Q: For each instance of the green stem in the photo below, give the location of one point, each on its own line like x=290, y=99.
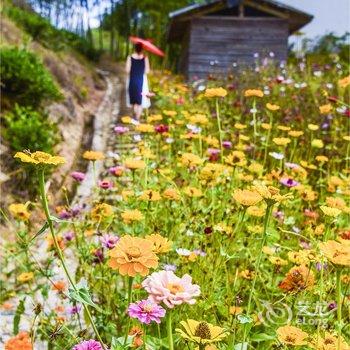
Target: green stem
x=169, y=330
x=257, y=266
x=219, y=128
x=130, y=280
x=59, y=251
x=339, y=307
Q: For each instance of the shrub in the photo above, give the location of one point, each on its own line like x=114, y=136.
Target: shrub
x=28, y=129
x=24, y=79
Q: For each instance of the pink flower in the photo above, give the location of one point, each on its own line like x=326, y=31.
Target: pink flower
x=166, y=287
x=78, y=176
x=161, y=128
x=289, y=182
x=227, y=144
x=146, y=311
x=116, y=170
x=88, y=345
x=121, y=130
x=109, y=241
x=105, y=184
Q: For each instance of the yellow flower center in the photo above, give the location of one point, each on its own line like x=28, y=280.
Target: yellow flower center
x=203, y=331
x=133, y=252
x=148, y=308
x=175, y=288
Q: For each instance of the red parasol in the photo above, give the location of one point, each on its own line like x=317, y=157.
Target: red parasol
x=147, y=45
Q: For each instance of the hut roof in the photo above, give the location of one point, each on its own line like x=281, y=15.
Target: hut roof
x=180, y=19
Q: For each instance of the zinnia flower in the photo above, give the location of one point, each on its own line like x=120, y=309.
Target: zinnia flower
x=201, y=332
x=88, y=345
x=121, y=130
x=161, y=244
x=19, y=211
x=109, y=241
x=215, y=92
x=290, y=335
x=297, y=279
x=93, y=155
x=166, y=287
x=78, y=176
x=329, y=211
x=246, y=197
x=20, y=341
x=39, y=158
x=131, y=215
x=289, y=182
x=146, y=311
x=336, y=252
x=25, y=276
x=132, y=256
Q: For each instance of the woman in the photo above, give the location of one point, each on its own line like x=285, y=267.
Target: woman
x=137, y=68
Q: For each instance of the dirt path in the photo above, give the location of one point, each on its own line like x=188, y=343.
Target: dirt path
x=104, y=140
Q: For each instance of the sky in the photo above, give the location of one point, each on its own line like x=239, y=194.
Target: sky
x=329, y=15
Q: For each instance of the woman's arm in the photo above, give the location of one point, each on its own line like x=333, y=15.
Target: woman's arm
x=147, y=66
x=128, y=65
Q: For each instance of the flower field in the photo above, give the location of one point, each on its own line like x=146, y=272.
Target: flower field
x=225, y=226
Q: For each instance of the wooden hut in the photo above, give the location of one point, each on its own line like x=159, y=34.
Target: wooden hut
x=218, y=34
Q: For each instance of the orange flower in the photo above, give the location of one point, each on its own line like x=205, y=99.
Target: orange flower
x=132, y=256
x=298, y=278
x=290, y=335
x=60, y=286
x=20, y=341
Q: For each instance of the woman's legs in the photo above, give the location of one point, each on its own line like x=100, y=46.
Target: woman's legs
x=137, y=109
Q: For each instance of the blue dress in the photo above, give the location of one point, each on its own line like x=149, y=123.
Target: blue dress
x=137, y=72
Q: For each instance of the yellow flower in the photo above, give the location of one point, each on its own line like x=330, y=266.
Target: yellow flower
x=322, y=159
x=131, y=215
x=253, y=92
x=150, y=195
x=337, y=253
x=126, y=119
x=344, y=82
x=127, y=193
x=223, y=228
x=39, y=157
x=275, y=260
x=191, y=160
x=101, y=211
x=201, y=332
x=290, y=335
x=246, y=197
x=236, y=158
x=19, y=211
x=240, y=126
x=169, y=113
x=329, y=342
x=256, y=211
x=154, y=117
x=132, y=256
x=295, y=133
x=161, y=244
x=144, y=128
x=266, y=126
x=271, y=194
x=93, y=155
x=272, y=107
x=236, y=310
x=256, y=168
x=329, y=211
x=171, y=193
x=336, y=202
x=313, y=127
x=134, y=164
x=193, y=192
x=25, y=277
x=281, y=141
x=283, y=127
x=199, y=119
x=317, y=143
x=215, y=92
x=325, y=108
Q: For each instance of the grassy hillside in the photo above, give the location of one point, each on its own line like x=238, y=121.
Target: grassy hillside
x=49, y=92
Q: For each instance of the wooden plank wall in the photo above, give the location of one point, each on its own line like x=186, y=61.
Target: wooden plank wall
x=223, y=40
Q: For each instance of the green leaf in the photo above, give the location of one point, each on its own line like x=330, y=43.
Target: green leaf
x=82, y=296
x=19, y=312
x=259, y=337
x=42, y=230
x=118, y=343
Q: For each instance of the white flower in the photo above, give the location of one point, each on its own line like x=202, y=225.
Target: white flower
x=276, y=155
